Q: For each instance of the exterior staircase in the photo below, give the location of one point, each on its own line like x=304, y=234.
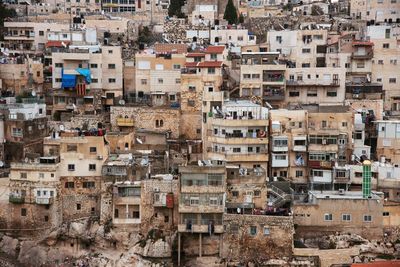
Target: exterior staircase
x=280, y=196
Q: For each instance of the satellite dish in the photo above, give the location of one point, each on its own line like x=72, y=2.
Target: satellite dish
x=122, y=102
x=26, y=160
x=139, y=141
x=238, y=210
x=33, y=93
x=61, y=127
x=1, y=164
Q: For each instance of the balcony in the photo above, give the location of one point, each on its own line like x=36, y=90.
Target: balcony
x=362, y=55
x=201, y=208
x=239, y=157
x=321, y=176
x=280, y=160
x=44, y=200
x=279, y=144
x=274, y=95
x=320, y=164
x=30, y=36
x=243, y=122
x=16, y=199
x=321, y=83
x=273, y=78
x=341, y=176
x=200, y=228
x=300, y=144
x=125, y=122
x=232, y=139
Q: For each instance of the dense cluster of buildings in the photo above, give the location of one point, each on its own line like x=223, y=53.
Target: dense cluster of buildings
x=227, y=139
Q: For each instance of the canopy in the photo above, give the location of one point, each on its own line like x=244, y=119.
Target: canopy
x=68, y=80
x=85, y=73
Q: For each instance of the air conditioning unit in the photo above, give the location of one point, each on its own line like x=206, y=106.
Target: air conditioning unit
x=156, y=189
x=99, y=157
x=324, y=141
x=341, y=191
x=356, y=96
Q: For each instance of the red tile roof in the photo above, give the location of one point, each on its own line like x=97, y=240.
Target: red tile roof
x=195, y=55
x=170, y=48
x=363, y=43
x=215, y=49
x=191, y=64
x=210, y=64
x=56, y=43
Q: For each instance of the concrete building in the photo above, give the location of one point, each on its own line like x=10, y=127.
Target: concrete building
x=231, y=35
x=375, y=11
x=126, y=203
x=388, y=141
x=263, y=75
x=158, y=77
x=237, y=133
x=201, y=204
x=28, y=37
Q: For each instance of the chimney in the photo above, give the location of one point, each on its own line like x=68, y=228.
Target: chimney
x=366, y=175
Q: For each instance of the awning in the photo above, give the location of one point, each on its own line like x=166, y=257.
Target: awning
x=88, y=96
x=68, y=80
x=85, y=73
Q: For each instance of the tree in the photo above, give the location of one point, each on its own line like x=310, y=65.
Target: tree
x=175, y=8
x=241, y=18
x=230, y=13
x=5, y=13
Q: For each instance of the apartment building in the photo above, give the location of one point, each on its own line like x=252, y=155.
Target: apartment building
x=289, y=145
x=158, y=76
x=231, y=35
x=263, y=74
x=80, y=170
x=201, y=204
x=237, y=133
x=126, y=203
x=28, y=37
x=34, y=193
x=25, y=125
x=385, y=64
x=388, y=141
x=330, y=131
x=330, y=212
x=204, y=15
x=85, y=77
x=375, y=11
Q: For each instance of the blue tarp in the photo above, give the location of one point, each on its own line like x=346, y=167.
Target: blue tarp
x=85, y=73
x=68, y=80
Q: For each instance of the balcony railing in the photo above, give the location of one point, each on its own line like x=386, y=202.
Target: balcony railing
x=16, y=199
x=188, y=71
x=44, y=200
x=358, y=55
x=328, y=83
x=125, y=122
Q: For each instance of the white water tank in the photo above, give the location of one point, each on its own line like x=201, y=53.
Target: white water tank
x=1, y=129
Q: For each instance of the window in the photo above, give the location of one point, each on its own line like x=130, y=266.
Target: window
x=41, y=33
x=266, y=231
x=317, y=173
x=385, y=213
x=344, y=123
x=213, y=56
x=347, y=65
x=280, y=157
x=299, y=173
x=23, y=175
x=255, y=76
x=194, y=201
x=160, y=80
x=312, y=93
x=93, y=66
x=92, y=167
x=89, y=185
x=385, y=45
x=111, y=80
x=93, y=149
x=177, y=81
x=236, y=150
x=41, y=175
x=328, y=217
x=159, y=123
x=380, y=62
x=72, y=148
x=192, y=88
x=346, y=217
x=392, y=80
x=305, y=65
x=69, y=185
x=95, y=80
x=213, y=201
x=294, y=93
x=324, y=124
x=71, y=167
x=331, y=93
x=78, y=206
x=257, y=193
x=360, y=65
x=17, y=132
x=58, y=80
x=306, y=50
x=211, y=70
x=367, y=218
x=23, y=212
x=177, y=67
x=253, y=230
x=110, y=51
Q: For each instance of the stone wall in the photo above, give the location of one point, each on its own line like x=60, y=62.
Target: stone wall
x=273, y=237
x=145, y=117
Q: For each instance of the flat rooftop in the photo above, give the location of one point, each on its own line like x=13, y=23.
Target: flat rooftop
x=337, y=195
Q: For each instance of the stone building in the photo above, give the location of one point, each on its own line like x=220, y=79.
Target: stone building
x=35, y=195
x=25, y=126
x=81, y=161
x=201, y=207
x=256, y=238
x=329, y=212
